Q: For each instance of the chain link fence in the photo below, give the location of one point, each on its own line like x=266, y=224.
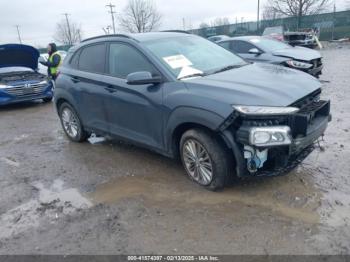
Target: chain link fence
x=331, y=26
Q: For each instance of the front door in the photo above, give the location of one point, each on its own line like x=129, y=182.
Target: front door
x=134, y=111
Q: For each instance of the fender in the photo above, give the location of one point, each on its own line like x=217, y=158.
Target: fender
x=189, y=115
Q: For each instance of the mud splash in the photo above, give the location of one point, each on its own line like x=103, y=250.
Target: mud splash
x=274, y=194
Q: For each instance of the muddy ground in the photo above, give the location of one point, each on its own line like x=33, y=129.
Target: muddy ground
x=59, y=197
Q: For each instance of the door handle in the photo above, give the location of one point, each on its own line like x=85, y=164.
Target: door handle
x=75, y=79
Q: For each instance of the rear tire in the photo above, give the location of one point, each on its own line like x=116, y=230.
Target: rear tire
x=71, y=123
x=205, y=159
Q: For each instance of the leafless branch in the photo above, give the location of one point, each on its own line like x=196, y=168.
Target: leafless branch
x=140, y=16
x=68, y=34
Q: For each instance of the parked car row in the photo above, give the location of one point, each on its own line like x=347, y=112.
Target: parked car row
x=260, y=49
x=185, y=97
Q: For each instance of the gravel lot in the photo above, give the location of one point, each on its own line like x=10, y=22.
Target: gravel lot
x=59, y=197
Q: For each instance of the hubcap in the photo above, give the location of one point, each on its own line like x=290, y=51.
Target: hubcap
x=70, y=123
x=197, y=162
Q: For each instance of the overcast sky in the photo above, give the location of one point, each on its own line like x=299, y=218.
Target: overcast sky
x=38, y=18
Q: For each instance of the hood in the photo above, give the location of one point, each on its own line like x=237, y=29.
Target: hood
x=298, y=53
x=256, y=84
x=13, y=55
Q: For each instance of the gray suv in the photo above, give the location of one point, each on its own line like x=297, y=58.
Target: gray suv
x=183, y=96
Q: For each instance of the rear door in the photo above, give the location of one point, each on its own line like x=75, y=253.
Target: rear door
x=134, y=112
x=91, y=93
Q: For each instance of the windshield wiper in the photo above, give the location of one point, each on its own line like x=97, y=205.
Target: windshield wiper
x=192, y=75
x=226, y=68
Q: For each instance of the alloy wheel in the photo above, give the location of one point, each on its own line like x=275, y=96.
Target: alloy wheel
x=197, y=162
x=70, y=122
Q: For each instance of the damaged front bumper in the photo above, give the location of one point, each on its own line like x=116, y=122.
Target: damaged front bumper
x=306, y=127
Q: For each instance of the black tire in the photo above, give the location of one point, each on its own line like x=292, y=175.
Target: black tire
x=47, y=99
x=80, y=135
x=220, y=158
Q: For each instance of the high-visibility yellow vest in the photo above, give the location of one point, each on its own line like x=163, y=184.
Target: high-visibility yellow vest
x=54, y=70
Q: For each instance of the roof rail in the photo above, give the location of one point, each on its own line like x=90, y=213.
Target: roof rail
x=106, y=36
x=176, y=31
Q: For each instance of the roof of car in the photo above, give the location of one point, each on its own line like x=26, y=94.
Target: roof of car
x=139, y=37
x=245, y=38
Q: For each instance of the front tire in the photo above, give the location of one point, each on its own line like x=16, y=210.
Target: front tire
x=71, y=123
x=205, y=159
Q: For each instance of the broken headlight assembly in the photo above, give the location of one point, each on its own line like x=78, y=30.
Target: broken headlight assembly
x=299, y=65
x=265, y=110
x=270, y=136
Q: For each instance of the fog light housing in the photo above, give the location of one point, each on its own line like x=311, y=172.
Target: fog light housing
x=270, y=136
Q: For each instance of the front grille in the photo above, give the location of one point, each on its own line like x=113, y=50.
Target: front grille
x=20, y=91
x=303, y=122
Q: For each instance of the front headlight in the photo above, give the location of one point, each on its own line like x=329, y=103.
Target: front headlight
x=270, y=136
x=3, y=86
x=297, y=64
x=266, y=110
x=44, y=82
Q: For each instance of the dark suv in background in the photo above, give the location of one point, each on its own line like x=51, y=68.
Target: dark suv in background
x=182, y=95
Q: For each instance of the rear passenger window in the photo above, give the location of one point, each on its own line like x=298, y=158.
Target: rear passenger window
x=241, y=47
x=93, y=59
x=124, y=60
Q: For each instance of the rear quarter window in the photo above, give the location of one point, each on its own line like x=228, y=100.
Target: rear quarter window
x=74, y=62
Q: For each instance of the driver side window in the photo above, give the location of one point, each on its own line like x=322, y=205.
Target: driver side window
x=124, y=60
x=242, y=47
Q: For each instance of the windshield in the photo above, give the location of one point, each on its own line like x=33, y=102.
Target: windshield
x=192, y=55
x=269, y=44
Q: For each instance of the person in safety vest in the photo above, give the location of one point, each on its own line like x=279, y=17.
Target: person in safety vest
x=54, y=61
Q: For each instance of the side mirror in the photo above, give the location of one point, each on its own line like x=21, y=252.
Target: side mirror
x=255, y=51
x=142, y=78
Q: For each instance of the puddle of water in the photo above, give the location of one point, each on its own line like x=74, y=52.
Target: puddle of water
x=180, y=190
x=51, y=203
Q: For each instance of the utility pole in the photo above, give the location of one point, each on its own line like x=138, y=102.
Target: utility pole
x=334, y=11
x=184, y=24
x=69, y=31
x=112, y=12
x=258, y=20
x=19, y=34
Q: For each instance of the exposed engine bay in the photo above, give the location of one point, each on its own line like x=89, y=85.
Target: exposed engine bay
x=9, y=77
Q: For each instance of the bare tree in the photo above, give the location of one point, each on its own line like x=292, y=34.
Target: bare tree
x=298, y=8
x=140, y=16
x=67, y=32
x=269, y=13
